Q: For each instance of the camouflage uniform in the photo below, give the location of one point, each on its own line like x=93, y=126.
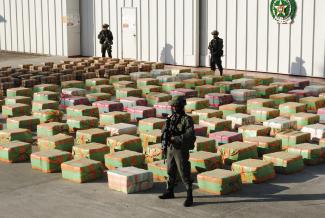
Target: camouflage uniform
x=106, y=40
x=216, y=50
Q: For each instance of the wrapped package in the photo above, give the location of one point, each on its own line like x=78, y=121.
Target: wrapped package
x=224, y=137
x=282, y=98
x=211, y=79
x=254, y=130
x=128, y=92
x=130, y=180
x=82, y=110
x=43, y=105
x=74, y=92
x=51, y=129
x=246, y=83
x=265, y=144
x=177, y=71
x=114, y=118
x=207, y=113
x=289, y=108
x=299, y=93
x=202, y=161
x=240, y=119
x=300, y=84
x=17, y=100
x=60, y=141
x=156, y=97
x=150, y=124
x=283, y=87
x=146, y=82
x=196, y=104
x=23, y=122
x=313, y=103
x=102, y=89
x=193, y=83
x=82, y=170
x=216, y=124
x=206, y=89
x=93, y=151
x=201, y=73
x=150, y=137
x=96, y=82
x=91, y=135
x=150, y=89
x=218, y=99
x=46, y=96
x=312, y=154
x=200, y=130
x=169, y=86
x=254, y=171
x=258, y=103
x=20, y=91
x=317, y=131
x=264, y=91
x=16, y=110
x=185, y=76
x=315, y=89
x=160, y=72
x=280, y=124
x=82, y=122
x=138, y=75
x=132, y=102
x=124, y=158
x=163, y=108
x=219, y=181
x=242, y=95
x=124, y=142
x=291, y=138
x=236, y=151
x=264, y=113
x=46, y=87
x=108, y=106
x=123, y=84
x=166, y=79
x=188, y=93
x=285, y=162
x=227, y=86
x=116, y=78
x=49, y=161
x=8, y=135
x=195, y=118
x=229, y=109
x=141, y=112
x=204, y=144
x=73, y=101
x=230, y=76
x=304, y=119
x=159, y=170
x=15, y=151
x=121, y=128
x=93, y=97
x=321, y=114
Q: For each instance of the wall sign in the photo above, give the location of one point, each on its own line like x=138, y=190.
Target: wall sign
x=283, y=11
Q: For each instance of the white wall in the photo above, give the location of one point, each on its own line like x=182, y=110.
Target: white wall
x=255, y=42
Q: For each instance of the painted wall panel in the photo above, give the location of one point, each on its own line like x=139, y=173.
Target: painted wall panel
x=161, y=30
x=52, y=27
x=319, y=40
x=59, y=27
x=20, y=26
x=241, y=38
x=33, y=29
x=26, y=25
x=3, y=43
x=262, y=35
x=14, y=26
x=251, y=27
x=153, y=29
x=231, y=34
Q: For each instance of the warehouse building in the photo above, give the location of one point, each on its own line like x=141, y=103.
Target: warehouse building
x=174, y=31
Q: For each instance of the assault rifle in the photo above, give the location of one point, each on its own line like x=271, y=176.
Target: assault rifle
x=165, y=137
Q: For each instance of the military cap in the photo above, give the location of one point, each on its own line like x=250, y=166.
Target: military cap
x=105, y=25
x=178, y=101
x=215, y=32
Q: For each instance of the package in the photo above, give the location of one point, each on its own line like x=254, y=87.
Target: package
x=60, y=141
x=15, y=151
x=91, y=135
x=162, y=109
x=317, y=131
x=321, y=114
x=227, y=86
x=23, y=122
x=132, y=102
x=239, y=119
x=51, y=129
x=313, y=103
x=46, y=96
x=166, y=78
x=108, y=106
x=42, y=105
x=93, y=151
x=193, y=83
x=283, y=87
x=207, y=113
x=291, y=138
x=20, y=91
x=93, y=97
x=114, y=118
x=82, y=122
x=202, y=161
x=285, y=162
x=146, y=90
x=229, y=109
x=156, y=66
x=312, y=154
x=254, y=130
x=224, y=137
x=124, y=142
x=121, y=128
x=46, y=87
x=200, y=130
x=116, y=78
x=124, y=158
x=265, y=144
x=242, y=95
x=188, y=93
x=17, y=99
x=289, y=108
x=156, y=97
x=8, y=135
x=315, y=89
x=195, y=118
x=177, y=71
x=82, y=170
x=82, y=110
x=102, y=89
x=211, y=79
x=282, y=98
x=219, y=181
x=300, y=83
x=300, y=93
x=304, y=119
x=169, y=86
x=73, y=101
x=196, y=104
x=264, y=91
x=128, y=92
x=160, y=72
x=254, y=171
x=230, y=76
x=123, y=84
x=206, y=89
x=218, y=99
x=141, y=112
x=263, y=114
x=15, y=110
x=259, y=103
x=236, y=151
x=153, y=153
x=185, y=76
x=150, y=124
x=216, y=124
x=204, y=144
x=246, y=83
x=138, y=75
x=201, y=73
x=146, y=82
x=96, y=82
x=150, y=137
x=74, y=92
x=72, y=84
x=159, y=170
x=49, y=161
x=280, y=124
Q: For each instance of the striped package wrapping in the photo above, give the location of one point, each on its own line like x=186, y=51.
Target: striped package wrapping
x=195, y=118
x=108, y=106
x=264, y=91
x=102, y=89
x=283, y=87
x=15, y=151
x=153, y=153
x=124, y=158
x=259, y=103
x=242, y=95
x=123, y=84
x=304, y=119
x=315, y=89
x=312, y=154
x=16, y=110
x=17, y=99
x=116, y=78
x=224, y=137
x=216, y=124
x=23, y=122
x=20, y=91
x=159, y=170
x=46, y=87
x=128, y=92
x=207, y=113
x=130, y=180
x=289, y=108
x=200, y=130
x=254, y=171
x=240, y=119
x=160, y=72
x=196, y=104
x=147, y=82
x=202, y=161
x=282, y=98
x=236, y=151
x=150, y=137
x=82, y=110
x=132, y=102
x=121, y=128
x=202, y=73
x=114, y=118
x=313, y=103
x=82, y=170
x=84, y=122
x=280, y=124
x=227, y=86
x=51, y=129
x=156, y=97
x=265, y=144
x=124, y=142
x=138, y=75
x=42, y=105
x=74, y=92
x=163, y=108
x=317, y=131
x=245, y=83
x=285, y=162
x=193, y=83
x=93, y=151
x=291, y=138
x=166, y=78
x=230, y=76
x=300, y=84
x=73, y=101
x=212, y=79
x=206, y=89
x=188, y=93
x=49, y=161
x=185, y=76
x=264, y=113
x=219, y=182
x=96, y=82
x=91, y=135
x=229, y=109
x=169, y=86
x=218, y=99
x=321, y=114
x=177, y=71
x=8, y=135
x=60, y=141
x=72, y=84
x=93, y=97
x=299, y=93
x=46, y=96
x=150, y=124
x=141, y=112
x=204, y=144
x=254, y=131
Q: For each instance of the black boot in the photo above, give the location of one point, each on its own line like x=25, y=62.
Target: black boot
x=189, y=199
x=168, y=194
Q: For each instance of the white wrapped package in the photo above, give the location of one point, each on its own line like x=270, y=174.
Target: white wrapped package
x=138, y=75
x=246, y=83
x=317, y=131
x=121, y=128
x=280, y=124
x=239, y=119
x=184, y=76
x=160, y=72
x=166, y=78
x=74, y=92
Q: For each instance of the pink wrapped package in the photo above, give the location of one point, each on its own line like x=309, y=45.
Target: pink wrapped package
x=300, y=93
x=108, y=106
x=217, y=99
x=321, y=113
x=224, y=137
x=188, y=93
x=132, y=102
x=162, y=108
x=141, y=112
x=200, y=130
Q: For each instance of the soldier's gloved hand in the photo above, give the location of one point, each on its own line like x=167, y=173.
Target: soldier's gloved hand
x=172, y=139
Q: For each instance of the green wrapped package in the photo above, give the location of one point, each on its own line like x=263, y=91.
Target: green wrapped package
x=114, y=117
x=9, y=135
x=282, y=98
x=149, y=124
x=195, y=118
x=254, y=171
x=49, y=161
x=229, y=109
x=193, y=83
x=264, y=80
x=265, y=144
x=204, y=144
x=207, y=113
x=259, y=103
x=93, y=97
x=84, y=122
x=51, y=129
x=313, y=103
x=280, y=124
x=20, y=91
x=312, y=154
x=157, y=97
x=285, y=162
x=82, y=170
x=264, y=113
x=202, y=161
x=227, y=86
x=123, y=84
x=72, y=84
x=128, y=92
x=93, y=151
x=159, y=170
x=291, y=138
x=150, y=137
x=289, y=108
x=116, y=78
x=283, y=87
x=46, y=87
x=82, y=110
x=304, y=119
x=146, y=82
x=237, y=151
x=216, y=124
x=46, y=96
x=42, y=105
x=23, y=122
x=254, y=130
x=60, y=141
x=16, y=110
x=18, y=99
x=91, y=135
x=48, y=115
x=96, y=82
x=219, y=181
x=153, y=153
x=230, y=76
x=124, y=158
x=150, y=89
x=102, y=89
x=170, y=86
x=264, y=91
x=212, y=79
x=196, y=104
x=124, y=142
x=15, y=151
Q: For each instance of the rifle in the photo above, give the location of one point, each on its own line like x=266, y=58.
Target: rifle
x=165, y=138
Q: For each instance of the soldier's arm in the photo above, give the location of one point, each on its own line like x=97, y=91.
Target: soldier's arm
x=100, y=35
x=188, y=135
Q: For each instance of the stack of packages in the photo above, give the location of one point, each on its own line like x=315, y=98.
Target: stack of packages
x=17, y=99
x=216, y=124
x=264, y=144
x=254, y=131
x=163, y=108
x=169, y=86
x=254, y=171
x=206, y=113
x=160, y=72
x=114, y=118
x=200, y=130
x=15, y=110
x=219, y=181
x=82, y=170
x=93, y=151
x=204, y=144
x=130, y=180
x=60, y=141
x=129, y=102
x=124, y=158
x=124, y=142
x=15, y=151
x=49, y=161
x=230, y=76
x=264, y=113
x=246, y=83
x=291, y=138
x=72, y=101
x=280, y=124
x=138, y=75
x=85, y=122
x=321, y=113
x=285, y=162
x=226, y=86
x=218, y=99
x=282, y=98
x=24, y=122
x=242, y=95
x=121, y=128
x=193, y=83
x=72, y=84
x=313, y=103
x=290, y=108
x=202, y=161
x=229, y=109
x=259, y=103
x=312, y=154
x=128, y=92
x=159, y=170
x=74, y=92
x=224, y=137
x=150, y=124
x=108, y=106
x=317, y=131
x=155, y=98
x=150, y=137
x=51, y=129
x=196, y=104
x=150, y=89
x=116, y=78
x=82, y=110
x=315, y=89
x=188, y=93
x=153, y=153
x=46, y=96
x=42, y=105
x=141, y=112
x=264, y=91
x=239, y=119
x=93, y=97
x=9, y=135
x=304, y=119
x=283, y=87
x=102, y=89
x=91, y=135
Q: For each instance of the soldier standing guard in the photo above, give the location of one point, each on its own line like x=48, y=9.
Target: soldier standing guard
x=216, y=51
x=181, y=141
x=106, y=40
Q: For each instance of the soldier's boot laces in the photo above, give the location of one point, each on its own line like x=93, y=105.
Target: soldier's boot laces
x=189, y=199
x=168, y=194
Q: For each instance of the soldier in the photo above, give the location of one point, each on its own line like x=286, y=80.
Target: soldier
x=106, y=40
x=182, y=138
x=216, y=51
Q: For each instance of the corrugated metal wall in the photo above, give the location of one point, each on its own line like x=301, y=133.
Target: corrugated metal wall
x=255, y=42
x=171, y=24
